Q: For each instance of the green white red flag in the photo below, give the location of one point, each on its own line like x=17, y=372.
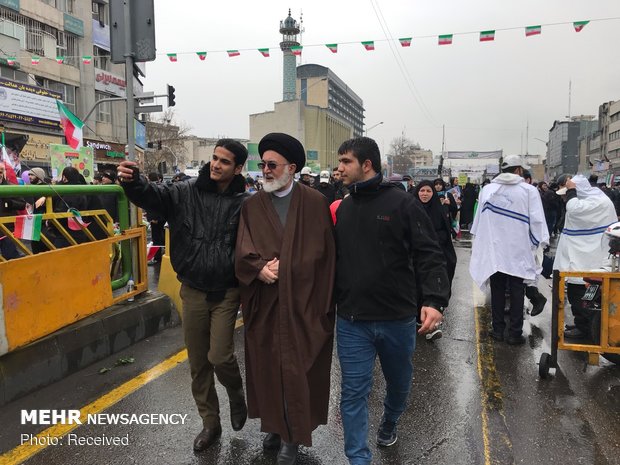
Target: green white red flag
x=71, y=125
x=532, y=30
x=332, y=47
x=487, y=36
x=172, y=57
x=35, y=60
x=405, y=41
x=76, y=223
x=369, y=45
x=11, y=61
x=264, y=52
x=87, y=59
x=579, y=25
x=296, y=49
x=28, y=227
x=445, y=39
x=233, y=53
x=202, y=55
x=9, y=171
x=60, y=60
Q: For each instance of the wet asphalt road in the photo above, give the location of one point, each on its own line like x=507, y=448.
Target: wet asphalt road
x=474, y=401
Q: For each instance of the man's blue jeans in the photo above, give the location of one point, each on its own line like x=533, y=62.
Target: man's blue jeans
x=359, y=342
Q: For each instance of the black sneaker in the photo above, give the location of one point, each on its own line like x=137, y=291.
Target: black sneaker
x=387, y=435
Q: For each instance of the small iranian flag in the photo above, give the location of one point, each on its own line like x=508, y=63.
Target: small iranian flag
x=11, y=61
x=332, y=47
x=87, y=59
x=77, y=223
x=445, y=39
x=172, y=57
x=60, y=60
x=233, y=53
x=296, y=49
x=28, y=227
x=72, y=126
x=151, y=250
x=487, y=36
x=264, y=52
x=202, y=55
x=369, y=45
x=532, y=31
x=405, y=41
x=35, y=60
x=579, y=25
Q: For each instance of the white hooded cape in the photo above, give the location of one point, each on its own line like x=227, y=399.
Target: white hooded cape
x=508, y=228
x=582, y=245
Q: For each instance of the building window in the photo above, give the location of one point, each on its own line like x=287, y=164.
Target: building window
x=13, y=74
x=100, y=13
x=101, y=58
x=68, y=47
x=104, y=110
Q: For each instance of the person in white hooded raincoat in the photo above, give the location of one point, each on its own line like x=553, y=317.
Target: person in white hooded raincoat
x=508, y=228
x=582, y=244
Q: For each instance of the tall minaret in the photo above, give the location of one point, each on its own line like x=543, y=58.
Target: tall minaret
x=289, y=28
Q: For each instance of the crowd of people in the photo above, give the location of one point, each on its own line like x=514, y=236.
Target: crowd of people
x=349, y=254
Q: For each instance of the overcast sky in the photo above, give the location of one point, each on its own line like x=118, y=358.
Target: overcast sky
x=484, y=93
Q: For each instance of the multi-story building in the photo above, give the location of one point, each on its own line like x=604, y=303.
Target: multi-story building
x=563, y=145
x=199, y=150
x=609, y=120
x=320, y=86
x=52, y=49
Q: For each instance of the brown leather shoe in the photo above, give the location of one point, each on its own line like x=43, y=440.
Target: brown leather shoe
x=238, y=414
x=207, y=437
x=272, y=441
x=287, y=455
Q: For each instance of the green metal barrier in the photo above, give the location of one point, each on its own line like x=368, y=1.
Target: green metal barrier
x=64, y=190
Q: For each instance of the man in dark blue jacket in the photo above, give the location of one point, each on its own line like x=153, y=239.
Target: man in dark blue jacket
x=387, y=255
x=203, y=215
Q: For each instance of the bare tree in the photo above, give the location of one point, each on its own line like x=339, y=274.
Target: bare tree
x=401, y=154
x=166, y=139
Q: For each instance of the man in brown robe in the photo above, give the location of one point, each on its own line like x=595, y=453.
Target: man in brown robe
x=285, y=263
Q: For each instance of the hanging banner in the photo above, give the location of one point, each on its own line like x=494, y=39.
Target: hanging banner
x=253, y=158
x=30, y=105
x=473, y=155
x=62, y=156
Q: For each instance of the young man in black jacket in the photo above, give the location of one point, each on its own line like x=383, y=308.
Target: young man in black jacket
x=203, y=215
x=387, y=255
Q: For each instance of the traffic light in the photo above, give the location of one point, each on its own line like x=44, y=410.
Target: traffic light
x=171, y=96
x=158, y=145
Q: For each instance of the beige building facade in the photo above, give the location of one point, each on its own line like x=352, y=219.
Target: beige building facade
x=320, y=131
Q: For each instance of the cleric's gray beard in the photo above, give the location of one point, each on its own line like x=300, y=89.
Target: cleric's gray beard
x=275, y=184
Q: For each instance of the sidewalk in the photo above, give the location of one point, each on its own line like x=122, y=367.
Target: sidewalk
x=85, y=342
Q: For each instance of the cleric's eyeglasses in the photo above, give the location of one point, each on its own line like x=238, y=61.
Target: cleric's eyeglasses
x=272, y=165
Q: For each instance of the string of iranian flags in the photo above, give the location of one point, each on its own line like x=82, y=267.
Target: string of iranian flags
x=446, y=39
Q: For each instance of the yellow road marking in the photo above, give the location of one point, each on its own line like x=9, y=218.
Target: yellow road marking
x=483, y=397
x=23, y=452
x=492, y=399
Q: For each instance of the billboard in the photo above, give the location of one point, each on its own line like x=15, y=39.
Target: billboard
x=473, y=155
x=26, y=104
x=62, y=156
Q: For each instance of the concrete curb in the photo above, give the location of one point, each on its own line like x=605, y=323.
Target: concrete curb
x=83, y=343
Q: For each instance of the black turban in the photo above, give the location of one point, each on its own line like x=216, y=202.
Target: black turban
x=287, y=146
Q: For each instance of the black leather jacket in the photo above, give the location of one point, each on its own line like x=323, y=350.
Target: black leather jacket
x=203, y=226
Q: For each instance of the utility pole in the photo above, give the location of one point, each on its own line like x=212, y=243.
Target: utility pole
x=131, y=141
x=443, y=146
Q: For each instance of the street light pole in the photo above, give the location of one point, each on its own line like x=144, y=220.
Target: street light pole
x=372, y=127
